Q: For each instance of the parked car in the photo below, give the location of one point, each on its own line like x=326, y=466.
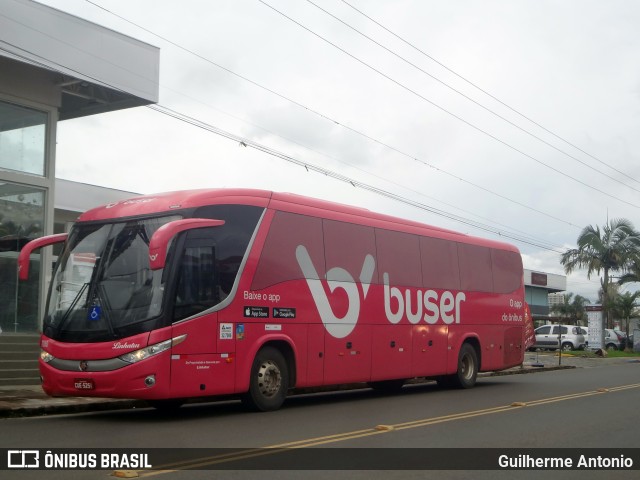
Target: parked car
x=614, y=340
x=571, y=337
x=585, y=332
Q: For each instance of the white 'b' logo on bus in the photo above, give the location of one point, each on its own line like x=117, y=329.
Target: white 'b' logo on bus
x=337, y=277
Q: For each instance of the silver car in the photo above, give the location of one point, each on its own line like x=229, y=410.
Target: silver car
x=614, y=340
x=571, y=337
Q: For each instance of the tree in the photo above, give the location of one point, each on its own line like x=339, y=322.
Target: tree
x=633, y=275
x=625, y=306
x=608, y=300
x=611, y=250
x=571, y=308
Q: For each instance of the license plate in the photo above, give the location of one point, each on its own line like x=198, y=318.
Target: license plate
x=84, y=384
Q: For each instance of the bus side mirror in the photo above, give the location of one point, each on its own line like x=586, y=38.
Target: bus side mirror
x=25, y=253
x=161, y=238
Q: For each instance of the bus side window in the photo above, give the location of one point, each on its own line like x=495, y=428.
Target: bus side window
x=278, y=258
x=347, y=246
x=440, y=268
x=476, y=273
x=232, y=239
x=397, y=254
x=197, y=282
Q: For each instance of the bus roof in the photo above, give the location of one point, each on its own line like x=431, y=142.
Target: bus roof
x=180, y=200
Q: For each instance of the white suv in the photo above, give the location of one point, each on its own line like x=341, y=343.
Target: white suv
x=571, y=337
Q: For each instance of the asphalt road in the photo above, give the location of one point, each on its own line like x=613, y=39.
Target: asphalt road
x=578, y=409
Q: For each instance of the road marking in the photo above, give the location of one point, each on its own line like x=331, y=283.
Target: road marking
x=126, y=474
x=381, y=428
x=340, y=437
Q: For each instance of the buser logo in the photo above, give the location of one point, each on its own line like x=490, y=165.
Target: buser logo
x=337, y=277
x=414, y=305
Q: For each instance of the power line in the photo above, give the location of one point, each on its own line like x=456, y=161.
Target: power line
x=332, y=120
x=466, y=122
x=307, y=165
x=338, y=176
x=115, y=88
x=367, y=172
x=486, y=92
x=475, y=102
x=326, y=172
x=420, y=161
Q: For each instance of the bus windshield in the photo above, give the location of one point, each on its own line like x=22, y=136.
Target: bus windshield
x=103, y=287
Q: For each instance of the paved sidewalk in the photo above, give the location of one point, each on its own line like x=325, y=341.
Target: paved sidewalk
x=30, y=400
x=22, y=401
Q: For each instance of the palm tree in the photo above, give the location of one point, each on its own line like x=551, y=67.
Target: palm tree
x=606, y=251
x=571, y=308
x=633, y=275
x=612, y=293
x=625, y=306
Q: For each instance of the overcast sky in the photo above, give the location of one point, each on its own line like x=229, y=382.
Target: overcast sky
x=519, y=115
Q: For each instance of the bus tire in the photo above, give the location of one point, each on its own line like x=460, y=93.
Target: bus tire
x=467, y=372
x=269, y=381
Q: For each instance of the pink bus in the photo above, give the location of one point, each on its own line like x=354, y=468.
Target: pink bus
x=233, y=291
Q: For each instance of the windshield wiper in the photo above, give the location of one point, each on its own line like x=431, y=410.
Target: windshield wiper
x=104, y=300
x=75, y=300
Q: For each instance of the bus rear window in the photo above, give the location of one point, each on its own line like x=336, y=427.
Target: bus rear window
x=507, y=271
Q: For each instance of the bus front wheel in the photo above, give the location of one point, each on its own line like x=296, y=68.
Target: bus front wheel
x=269, y=381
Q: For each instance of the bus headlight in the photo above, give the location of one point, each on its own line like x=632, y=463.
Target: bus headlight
x=46, y=357
x=151, y=350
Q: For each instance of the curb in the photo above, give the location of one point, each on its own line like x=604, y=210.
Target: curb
x=90, y=405
x=522, y=371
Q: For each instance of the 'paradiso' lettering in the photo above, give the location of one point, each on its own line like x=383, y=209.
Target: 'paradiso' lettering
x=120, y=345
x=445, y=307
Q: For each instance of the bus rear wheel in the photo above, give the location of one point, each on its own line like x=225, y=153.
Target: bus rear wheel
x=269, y=381
x=467, y=372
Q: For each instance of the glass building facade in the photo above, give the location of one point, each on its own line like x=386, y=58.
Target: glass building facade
x=24, y=192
